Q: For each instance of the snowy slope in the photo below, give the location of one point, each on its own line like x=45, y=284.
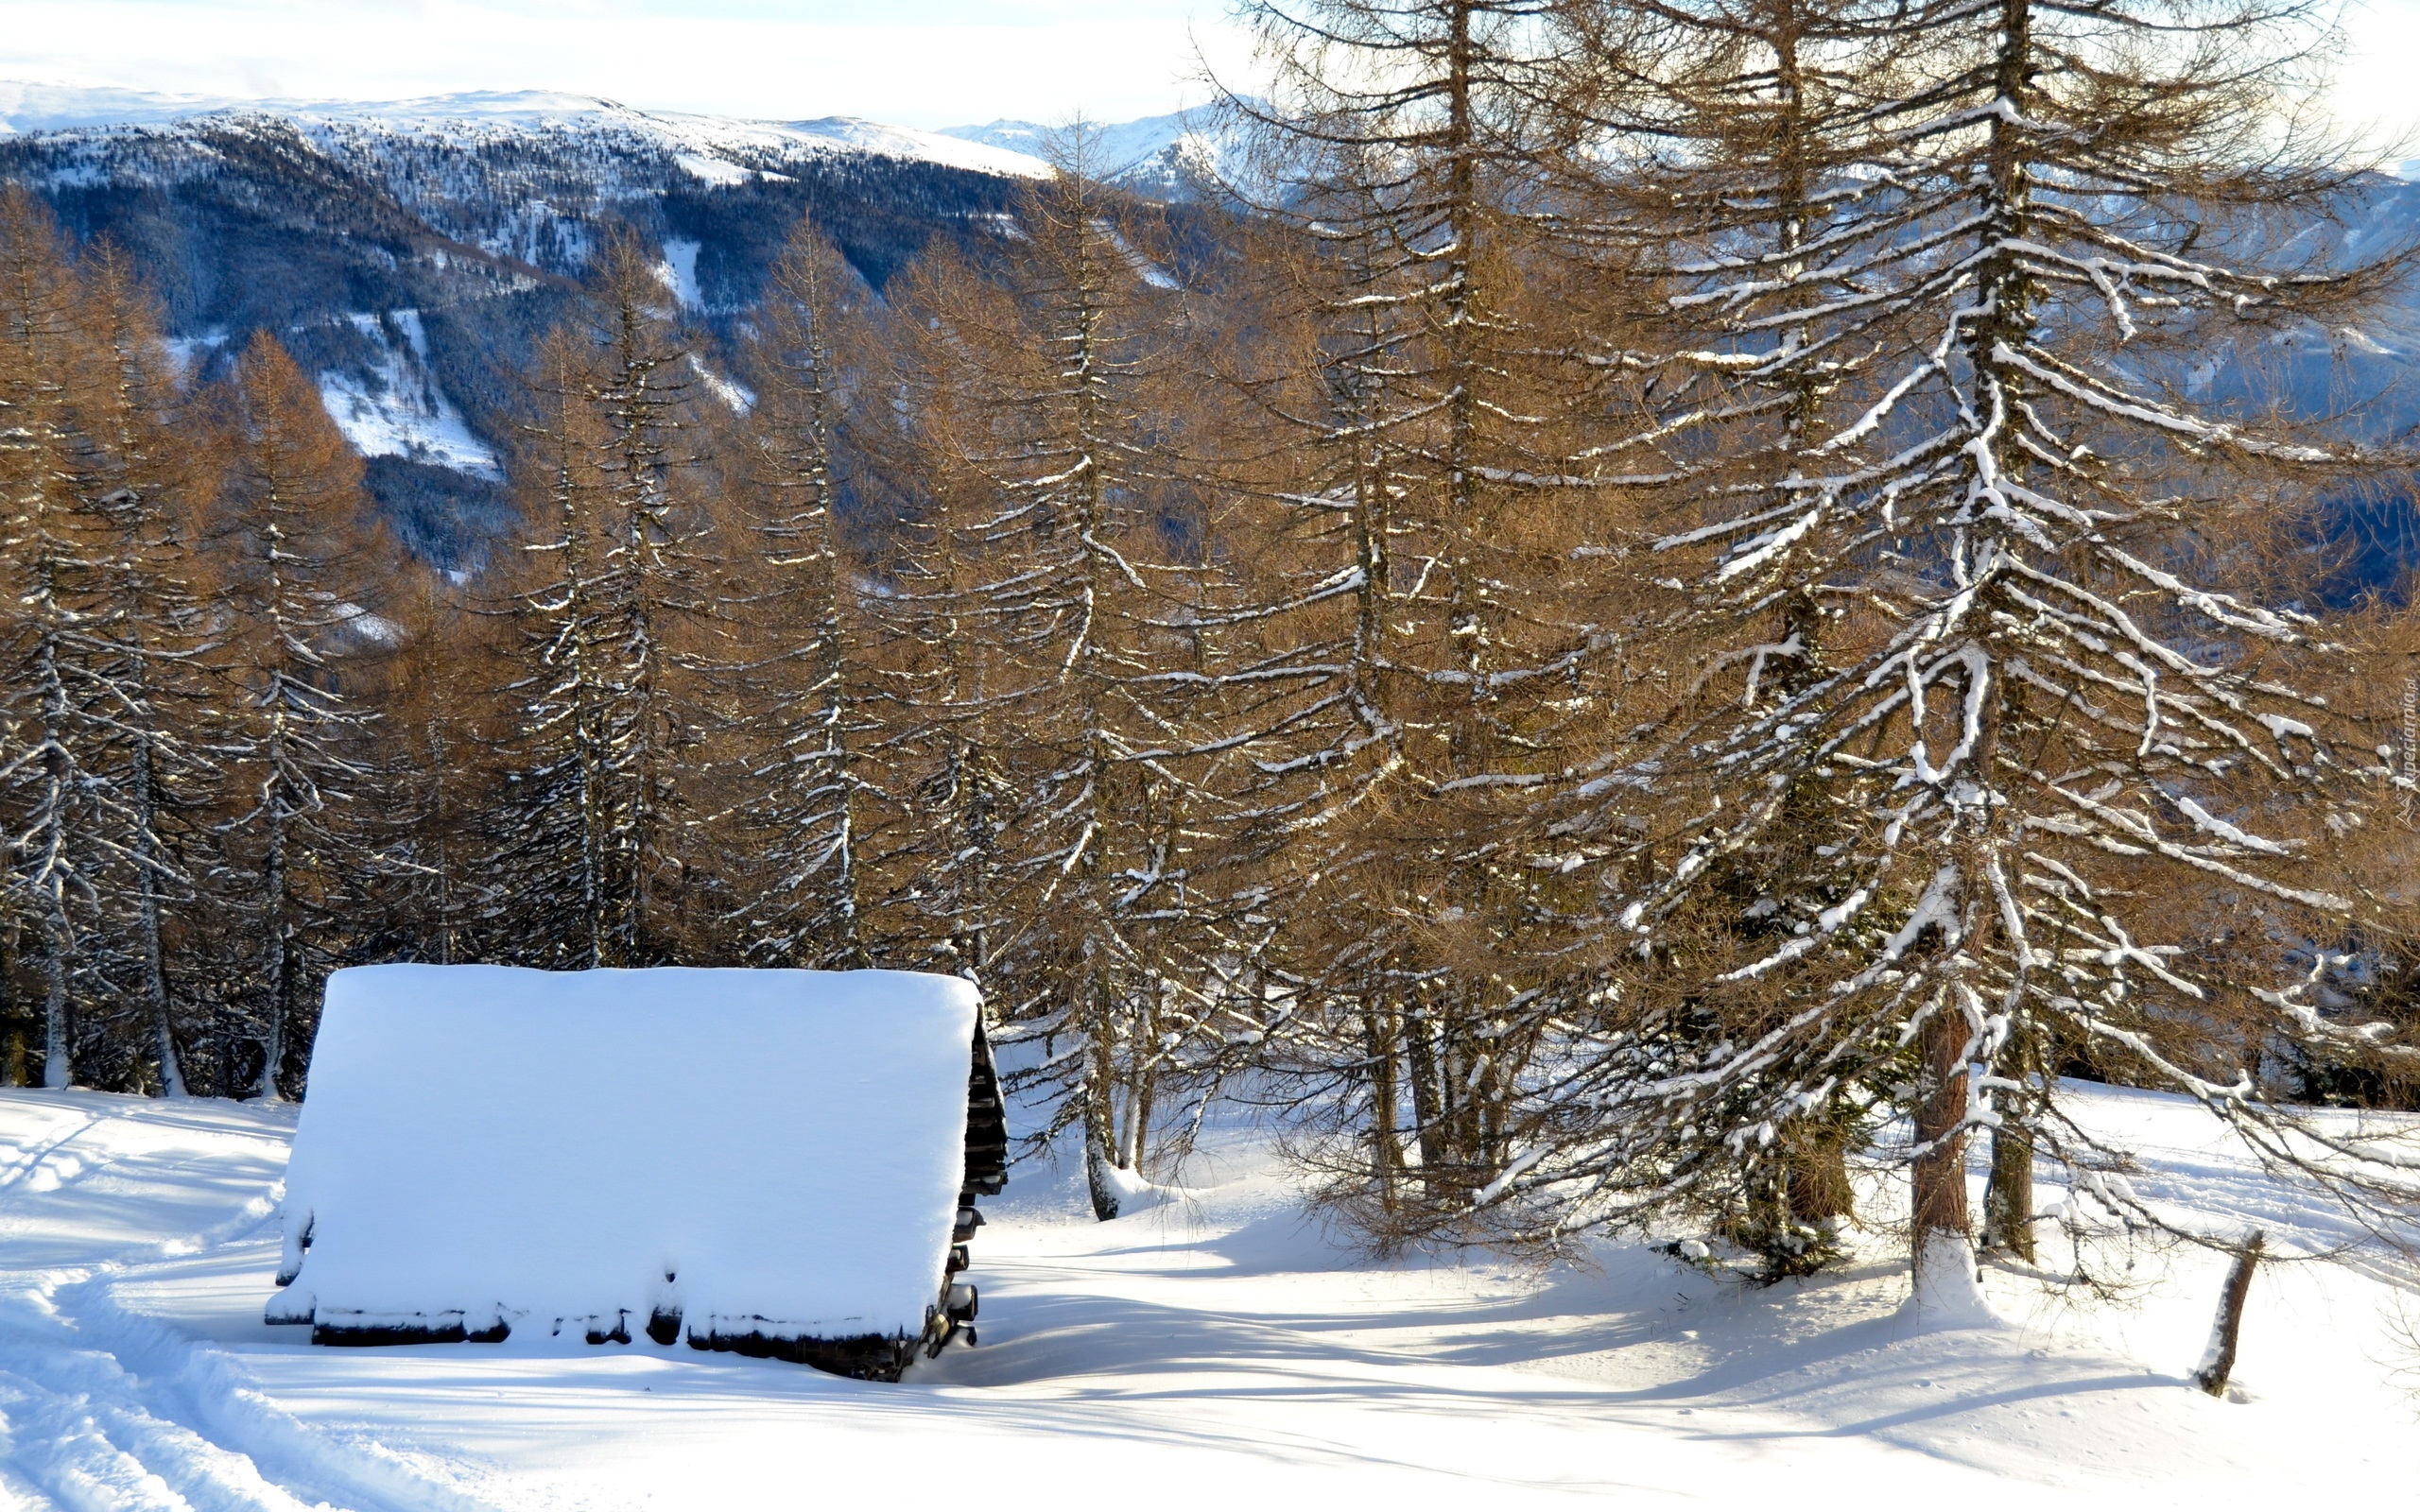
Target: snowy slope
x=410, y=252
x=518, y=175
x=1210, y=1351
x=395, y=406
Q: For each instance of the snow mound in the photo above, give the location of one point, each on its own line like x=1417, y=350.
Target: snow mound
x=1136, y=1194
x=1948, y=1291
x=767, y=1153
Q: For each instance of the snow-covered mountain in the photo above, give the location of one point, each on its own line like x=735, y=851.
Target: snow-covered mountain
x=1167, y=157
x=412, y=251
x=714, y=148
x=515, y=175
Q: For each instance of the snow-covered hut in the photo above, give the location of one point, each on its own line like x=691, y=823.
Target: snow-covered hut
x=780, y=1163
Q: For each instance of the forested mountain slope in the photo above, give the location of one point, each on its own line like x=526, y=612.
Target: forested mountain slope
x=412, y=252
x=411, y=255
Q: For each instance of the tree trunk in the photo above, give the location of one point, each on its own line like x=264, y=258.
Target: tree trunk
x=155, y=975
x=2008, y=1202
x=1143, y=1081
x=1818, y=1179
x=56, y=1069
x=15, y=1069
x=281, y=950
x=2219, y=1362
x=273, y=1032
x=155, y=993
x=1941, y=1249
x=1426, y=1111
x=1097, y=1167
x=1382, y=1105
x=1101, y=1123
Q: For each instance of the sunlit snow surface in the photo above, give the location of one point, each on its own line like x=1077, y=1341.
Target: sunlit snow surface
x=1213, y=1351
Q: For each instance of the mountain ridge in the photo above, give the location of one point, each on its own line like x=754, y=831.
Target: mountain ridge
x=28, y=109
x=1181, y=155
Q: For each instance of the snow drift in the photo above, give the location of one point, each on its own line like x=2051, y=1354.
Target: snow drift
x=753, y=1154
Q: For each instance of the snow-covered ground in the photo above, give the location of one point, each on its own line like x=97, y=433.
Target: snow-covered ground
x=1214, y=1351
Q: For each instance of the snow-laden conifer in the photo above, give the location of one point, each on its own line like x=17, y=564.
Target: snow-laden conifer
x=65, y=824
x=298, y=559
x=153, y=624
x=1460, y=460
x=2037, y=775
x=1043, y=578
x=597, y=868
x=547, y=848
x=800, y=673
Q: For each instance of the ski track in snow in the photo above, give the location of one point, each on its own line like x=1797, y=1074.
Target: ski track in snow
x=1216, y=1346
x=104, y=1410
x=107, y=1410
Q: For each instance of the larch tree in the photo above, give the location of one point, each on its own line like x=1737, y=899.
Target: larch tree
x=2072, y=780
x=64, y=823
x=1466, y=465
x=131, y=469
x=1052, y=540
x=641, y=385
x=1702, y=147
x=937, y=683
x=614, y=613
x=451, y=734
x=298, y=559
x=1111, y=899
x=546, y=846
x=801, y=678
x=1314, y=680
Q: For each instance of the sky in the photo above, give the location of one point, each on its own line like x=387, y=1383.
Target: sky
x=909, y=63
x=2378, y=85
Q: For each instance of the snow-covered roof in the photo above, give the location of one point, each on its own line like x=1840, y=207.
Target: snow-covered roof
x=771, y=1153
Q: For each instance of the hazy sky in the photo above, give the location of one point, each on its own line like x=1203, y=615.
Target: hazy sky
x=913, y=63
x=2379, y=85
x=910, y=63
